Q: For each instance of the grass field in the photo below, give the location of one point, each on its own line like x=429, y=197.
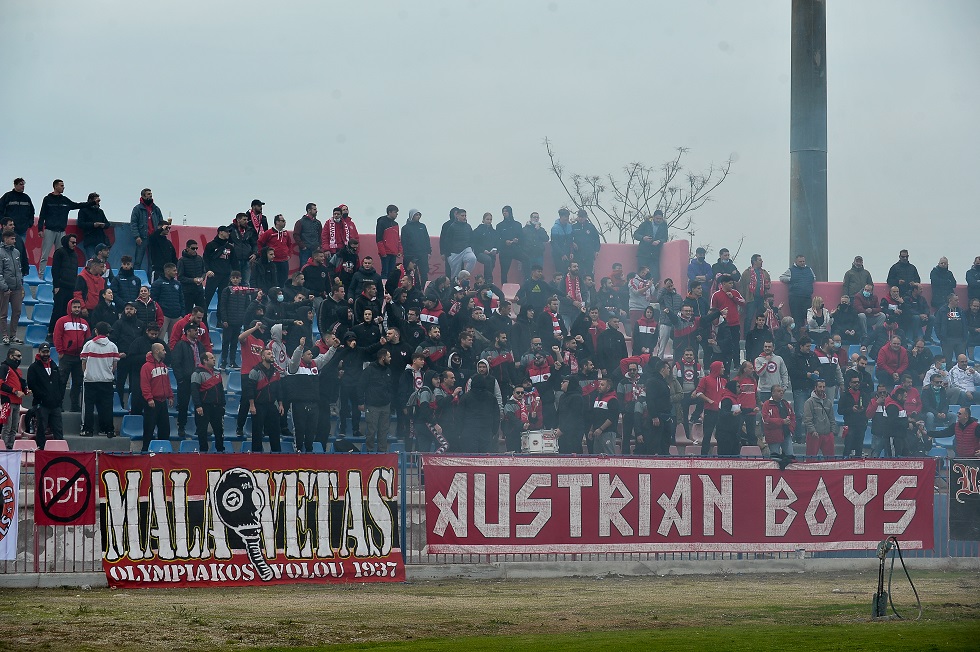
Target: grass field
x=743, y=612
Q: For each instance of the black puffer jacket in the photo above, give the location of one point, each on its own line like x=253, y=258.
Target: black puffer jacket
x=64, y=266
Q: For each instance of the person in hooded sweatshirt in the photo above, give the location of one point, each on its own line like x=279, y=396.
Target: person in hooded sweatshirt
x=709, y=391
x=47, y=394
x=281, y=242
x=70, y=333
x=729, y=421
x=13, y=389
x=100, y=356
x=572, y=415
x=136, y=354
x=482, y=407
x=64, y=271
x=303, y=386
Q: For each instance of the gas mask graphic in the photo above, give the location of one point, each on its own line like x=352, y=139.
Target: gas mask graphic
x=238, y=504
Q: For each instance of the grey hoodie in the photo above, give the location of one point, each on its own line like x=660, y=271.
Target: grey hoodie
x=818, y=415
x=772, y=372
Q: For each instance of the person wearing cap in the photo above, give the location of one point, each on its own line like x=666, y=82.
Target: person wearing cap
x=219, y=257
x=47, y=394
x=856, y=277
x=258, y=221
x=144, y=220
x=94, y=225
x=651, y=235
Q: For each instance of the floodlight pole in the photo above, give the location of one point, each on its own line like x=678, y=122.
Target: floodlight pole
x=808, y=136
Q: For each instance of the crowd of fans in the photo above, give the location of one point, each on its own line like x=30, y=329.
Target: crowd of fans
x=352, y=342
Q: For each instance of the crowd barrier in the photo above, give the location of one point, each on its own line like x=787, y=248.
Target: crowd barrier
x=79, y=548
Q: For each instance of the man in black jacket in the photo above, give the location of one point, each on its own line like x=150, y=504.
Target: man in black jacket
x=376, y=390
x=17, y=205
x=94, y=225
x=161, y=250
x=64, y=271
x=184, y=359
x=509, y=232
x=192, y=274
x=245, y=240
x=218, y=259
x=660, y=411
x=52, y=221
x=124, y=332
x=416, y=244
x=232, y=305
x=48, y=394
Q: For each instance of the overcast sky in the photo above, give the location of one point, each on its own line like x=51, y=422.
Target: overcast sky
x=437, y=104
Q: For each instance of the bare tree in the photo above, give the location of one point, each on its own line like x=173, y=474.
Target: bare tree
x=620, y=204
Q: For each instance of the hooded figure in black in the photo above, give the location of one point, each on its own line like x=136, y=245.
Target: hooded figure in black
x=481, y=415
x=572, y=415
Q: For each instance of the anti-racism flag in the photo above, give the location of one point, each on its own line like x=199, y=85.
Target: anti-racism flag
x=9, y=487
x=238, y=520
x=64, y=491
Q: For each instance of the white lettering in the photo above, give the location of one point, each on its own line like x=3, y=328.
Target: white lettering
x=821, y=497
x=713, y=498
x=610, y=507
x=447, y=517
x=502, y=527
x=774, y=503
x=680, y=519
x=859, y=500
x=574, y=483
x=527, y=505
x=894, y=504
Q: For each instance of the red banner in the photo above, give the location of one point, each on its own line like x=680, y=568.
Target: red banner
x=237, y=520
x=65, y=488
x=516, y=505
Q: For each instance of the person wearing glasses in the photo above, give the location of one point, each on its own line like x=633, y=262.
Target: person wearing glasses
x=192, y=274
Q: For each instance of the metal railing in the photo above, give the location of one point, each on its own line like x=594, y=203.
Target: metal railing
x=78, y=549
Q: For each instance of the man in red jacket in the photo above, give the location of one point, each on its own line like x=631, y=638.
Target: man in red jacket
x=778, y=422
x=89, y=285
x=709, y=391
x=281, y=242
x=893, y=361
x=389, y=241
x=70, y=334
x=728, y=298
x=966, y=431
x=155, y=384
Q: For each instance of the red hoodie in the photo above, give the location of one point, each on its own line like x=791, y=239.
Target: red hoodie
x=713, y=386
x=93, y=287
x=720, y=301
x=280, y=242
x=154, y=380
x=71, y=333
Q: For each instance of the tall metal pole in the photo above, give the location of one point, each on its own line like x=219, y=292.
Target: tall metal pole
x=808, y=136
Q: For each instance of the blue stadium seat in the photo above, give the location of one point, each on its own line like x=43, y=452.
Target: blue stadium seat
x=35, y=334
x=45, y=293
x=190, y=446
x=28, y=299
x=32, y=278
x=213, y=321
x=23, y=320
x=318, y=447
x=975, y=411
x=287, y=446
x=246, y=446
x=945, y=442
x=42, y=314
x=231, y=425
x=161, y=446
x=852, y=349
x=117, y=408
x=214, y=303
x=215, y=335
x=234, y=385
x=232, y=402
x=173, y=381
x=132, y=426
x=142, y=276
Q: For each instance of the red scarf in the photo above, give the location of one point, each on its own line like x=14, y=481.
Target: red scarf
x=571, y=361
x=573, y=287
x=334, y=244
x=256, y=221
x=149, y=216
x=555, y=325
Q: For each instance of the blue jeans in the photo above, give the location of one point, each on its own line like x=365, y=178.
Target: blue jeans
x=784, y=447
x=799, y=398
x=932, y=421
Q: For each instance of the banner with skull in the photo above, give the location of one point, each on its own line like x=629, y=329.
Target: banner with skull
x=236, y=520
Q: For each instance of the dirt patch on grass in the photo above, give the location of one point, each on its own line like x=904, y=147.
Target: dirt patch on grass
x=242, y=618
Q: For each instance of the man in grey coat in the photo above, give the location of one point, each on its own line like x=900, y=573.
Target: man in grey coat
x=820, y=422
x=11, y=288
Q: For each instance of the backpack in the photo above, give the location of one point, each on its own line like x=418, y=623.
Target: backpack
x=415, y=400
